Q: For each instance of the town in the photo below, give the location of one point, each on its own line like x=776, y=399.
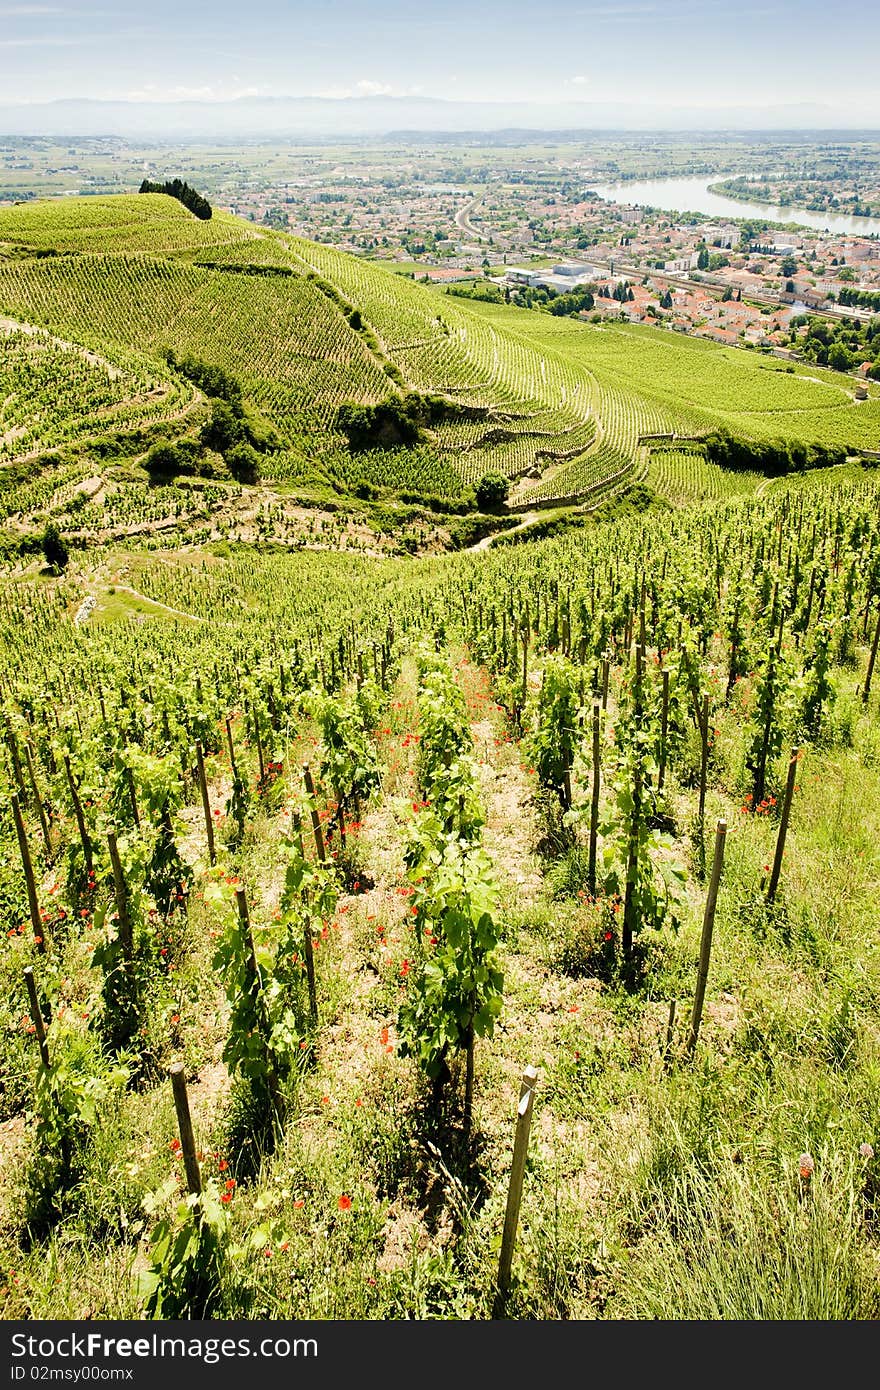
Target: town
x=493, y=218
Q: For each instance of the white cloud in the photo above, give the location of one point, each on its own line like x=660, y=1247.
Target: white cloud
x=579, y=81
x=27, y=11
x=366, y=88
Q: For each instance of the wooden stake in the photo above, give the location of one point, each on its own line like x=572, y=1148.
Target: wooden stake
x=664, y=730
x=132, y=792
x=260, y=758
x=706, y=942
x=514, y=1191
x=307, y=933
x=594, y=799
x=704, y=756
x=606, y=672
x=184, y=1125
x=38, y=800
x=36, y=1015
x=525, y=666
x=80, y=818
x=121, y=895
x=783, y=826
x=27, y=865
x=266, y=1026
x=316, y=820
x=871, y=659
x=231, y=746
x=468, y=1086
x=206, y=804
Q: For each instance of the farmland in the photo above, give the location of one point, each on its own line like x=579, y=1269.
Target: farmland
x=473, y=726
x=560, y=407
x=324, y=837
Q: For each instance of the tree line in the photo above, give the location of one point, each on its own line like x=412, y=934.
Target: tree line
x=176, y=188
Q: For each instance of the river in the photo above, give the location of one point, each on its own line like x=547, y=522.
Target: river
x=694, y=195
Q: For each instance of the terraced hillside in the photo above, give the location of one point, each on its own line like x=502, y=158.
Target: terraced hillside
x=95, y=291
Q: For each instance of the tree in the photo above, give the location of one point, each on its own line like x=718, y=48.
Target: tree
x=54, y=547
x=243, y=462
x=839, y=358
x=224, y=429
x=491, y=491
x=703, y=258
x=788, y=266
x=164, y=462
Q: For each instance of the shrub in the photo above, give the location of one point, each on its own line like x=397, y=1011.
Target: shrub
x=491, y=491
x=243, y=462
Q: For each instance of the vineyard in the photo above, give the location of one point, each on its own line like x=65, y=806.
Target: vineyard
x=98, y=291
x=684, y=477
x=339, y=891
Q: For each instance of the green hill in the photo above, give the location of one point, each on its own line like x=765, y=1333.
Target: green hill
x=559, y=405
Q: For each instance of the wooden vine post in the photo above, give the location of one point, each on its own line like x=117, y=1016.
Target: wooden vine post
x=316, y=819
x=27, y=865
x=38, y=800
x=271, y=1076
x=36, y=1015
x=706, y=941
x=80, y=818
x=121, y=895
x=514, y=1190
x=260, y=759
x=783, y=826
x=468, y=1085
x=184, y=1125
x=594, y=798
x=132, y=792
x=704, y=758
x=664, y=729
x=229, y=741
x=630, y=909
x=206, y=803
x=307, y=933
x=866, y=690
x=525, y=667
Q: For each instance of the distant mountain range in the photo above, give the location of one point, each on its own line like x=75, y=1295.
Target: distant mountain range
x=379, y=115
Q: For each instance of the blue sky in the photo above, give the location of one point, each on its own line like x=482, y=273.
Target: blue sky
x=668, y=52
